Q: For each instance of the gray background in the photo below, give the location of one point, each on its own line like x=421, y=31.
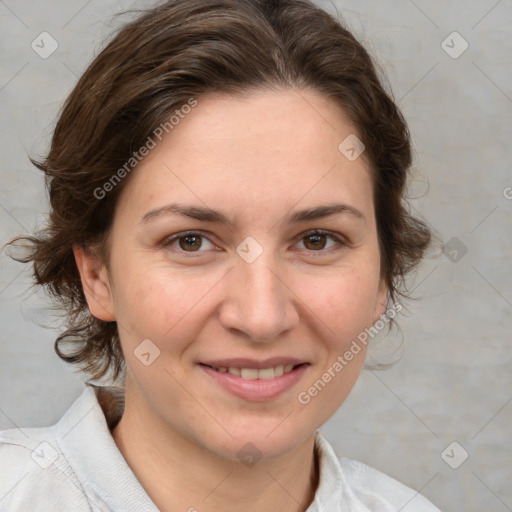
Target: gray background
x=453, y=382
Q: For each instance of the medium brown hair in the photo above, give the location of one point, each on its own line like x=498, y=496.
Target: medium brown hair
x=183, y=49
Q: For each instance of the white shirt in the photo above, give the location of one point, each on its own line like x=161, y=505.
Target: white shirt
x=75, y=466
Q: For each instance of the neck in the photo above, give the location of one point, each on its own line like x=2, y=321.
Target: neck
x=179, y=474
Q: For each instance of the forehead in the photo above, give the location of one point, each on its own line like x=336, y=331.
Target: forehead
x=255, y=149
x=266, y=122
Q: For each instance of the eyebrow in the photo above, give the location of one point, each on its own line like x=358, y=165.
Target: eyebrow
x=208, y=215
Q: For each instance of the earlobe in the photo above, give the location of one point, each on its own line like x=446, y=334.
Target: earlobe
x=95, y=283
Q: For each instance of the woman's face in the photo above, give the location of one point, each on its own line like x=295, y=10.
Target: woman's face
x=216, y=262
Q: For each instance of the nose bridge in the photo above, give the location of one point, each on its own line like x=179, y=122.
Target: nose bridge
x=258, y=302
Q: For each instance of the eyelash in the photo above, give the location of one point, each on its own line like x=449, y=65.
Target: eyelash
x=169, y=241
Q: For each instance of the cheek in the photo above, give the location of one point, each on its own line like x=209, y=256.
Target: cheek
x=159, y=303
x=346, y=307
x=344, y=302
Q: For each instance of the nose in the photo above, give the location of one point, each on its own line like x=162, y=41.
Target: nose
x=257, y=301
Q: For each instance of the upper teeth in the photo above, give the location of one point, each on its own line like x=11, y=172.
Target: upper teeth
x=254, y=373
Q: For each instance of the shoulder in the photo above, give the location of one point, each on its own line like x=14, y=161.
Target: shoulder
x=38, y=466
x=375, y=488
x=353, y=485
x=34, y=474
x=72, y=465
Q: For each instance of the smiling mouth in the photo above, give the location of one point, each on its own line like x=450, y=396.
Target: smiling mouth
x=255, y=373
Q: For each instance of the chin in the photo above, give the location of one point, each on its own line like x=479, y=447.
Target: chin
x=258, y=443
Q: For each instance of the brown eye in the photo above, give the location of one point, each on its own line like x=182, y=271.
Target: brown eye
x=315, y=242
x=190, y=242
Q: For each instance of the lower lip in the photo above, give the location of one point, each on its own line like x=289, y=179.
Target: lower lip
x=256, y=389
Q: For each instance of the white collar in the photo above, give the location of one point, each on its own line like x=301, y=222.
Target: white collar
x=84, y=437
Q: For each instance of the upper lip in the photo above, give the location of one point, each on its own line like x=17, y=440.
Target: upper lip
x=241, y=362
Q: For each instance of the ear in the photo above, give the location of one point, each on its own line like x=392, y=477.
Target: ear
x=381, y=301
x=95, y=283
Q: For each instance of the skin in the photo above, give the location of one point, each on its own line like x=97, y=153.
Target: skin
x=258, y=158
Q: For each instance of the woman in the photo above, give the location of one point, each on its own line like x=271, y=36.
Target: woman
x=227, y=222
